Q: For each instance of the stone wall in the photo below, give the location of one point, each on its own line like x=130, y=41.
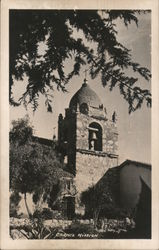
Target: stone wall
x=89, y=169
x=88, y=164
x=109, y=133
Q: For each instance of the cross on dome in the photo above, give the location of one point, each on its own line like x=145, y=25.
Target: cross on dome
x=85, y=79
x=85, y=72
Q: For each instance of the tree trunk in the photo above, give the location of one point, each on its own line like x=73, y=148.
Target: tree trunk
x=27, y=208
x=96, y=215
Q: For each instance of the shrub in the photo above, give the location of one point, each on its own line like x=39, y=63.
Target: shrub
x=45, y=214
x=14, y=201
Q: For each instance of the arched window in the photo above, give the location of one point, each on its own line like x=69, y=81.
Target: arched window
x=84, y=108
x=95, y=137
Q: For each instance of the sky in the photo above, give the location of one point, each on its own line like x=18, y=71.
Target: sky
x=134, y=129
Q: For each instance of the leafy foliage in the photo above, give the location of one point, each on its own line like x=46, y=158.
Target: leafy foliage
x=34, y=168
x=14, y=202
x=35, y=230
x=21, y=131
x=46, y=214
x=95, y=201
x=103, y=199
x=55, y=28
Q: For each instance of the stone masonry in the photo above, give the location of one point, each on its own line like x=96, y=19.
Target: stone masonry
x=89, y=141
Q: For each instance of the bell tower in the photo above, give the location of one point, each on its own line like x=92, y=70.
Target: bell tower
x=89, y=140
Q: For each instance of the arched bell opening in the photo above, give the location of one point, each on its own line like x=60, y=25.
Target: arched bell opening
x=95, y=137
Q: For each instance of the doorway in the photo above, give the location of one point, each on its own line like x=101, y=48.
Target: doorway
x=70, y=207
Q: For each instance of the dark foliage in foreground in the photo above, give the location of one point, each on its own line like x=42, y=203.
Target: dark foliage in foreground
x=107, y=58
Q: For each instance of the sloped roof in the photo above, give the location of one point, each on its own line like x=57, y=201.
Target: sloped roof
x=43, y=141
x=141, y=164
x=115, y=170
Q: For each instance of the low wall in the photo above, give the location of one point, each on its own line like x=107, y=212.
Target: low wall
x=15, y=222
x=103, y=224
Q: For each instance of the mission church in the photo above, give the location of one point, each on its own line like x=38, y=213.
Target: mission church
x=88, y=145
x=89, y=139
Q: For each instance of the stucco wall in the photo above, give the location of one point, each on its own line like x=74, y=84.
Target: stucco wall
x=130, y=184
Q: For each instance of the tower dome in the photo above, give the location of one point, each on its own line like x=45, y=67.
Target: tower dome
x=85, y=95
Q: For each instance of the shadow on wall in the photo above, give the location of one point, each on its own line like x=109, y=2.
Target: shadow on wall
x=143, y=213
x=130, y=183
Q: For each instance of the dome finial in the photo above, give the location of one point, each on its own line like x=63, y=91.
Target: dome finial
x=85, y=82
x=85, y=79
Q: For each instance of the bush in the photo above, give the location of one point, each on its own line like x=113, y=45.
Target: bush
x=116, y=213
x=57, y=215
x=14, y=201
x=79, y=216
x=45, y=214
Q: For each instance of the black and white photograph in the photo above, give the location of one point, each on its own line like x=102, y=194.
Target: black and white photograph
x=78, y=159
x=80, y=124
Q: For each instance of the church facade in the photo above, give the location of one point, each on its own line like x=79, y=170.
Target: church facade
x=88, y=146
x=89, y=140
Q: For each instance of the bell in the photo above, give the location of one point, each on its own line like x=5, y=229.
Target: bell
x=94, y=136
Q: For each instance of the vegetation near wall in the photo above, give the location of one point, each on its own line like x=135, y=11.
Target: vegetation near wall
x=34, y=168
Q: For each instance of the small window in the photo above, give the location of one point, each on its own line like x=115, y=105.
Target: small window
x=84, y=108
x=68, y=184
x=95, y=137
